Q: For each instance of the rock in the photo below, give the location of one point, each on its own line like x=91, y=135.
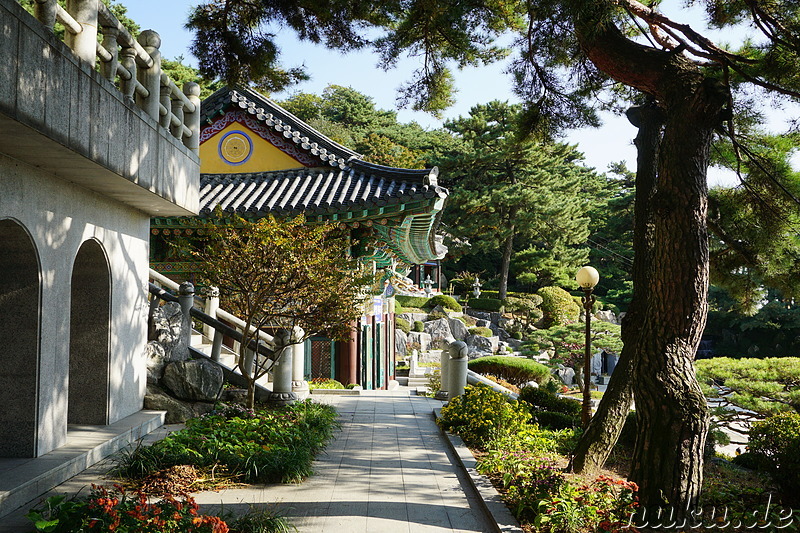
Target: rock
x=503, y=334
x=505, y=323
x=422, y=339
x=156, y=358
x=516, y=344
x=196, y=380
x=413, y=317
x=565, y=374
x=597, y=364
x=439, y=330
x=479, y=342
x=165, y=328
x=531, y=384
x=440, y=310
x=480, y=315
x=400, y=340
x=177, y=411
x=606, y=316
x=481, y=323
x=234, y=396
x=458, y=329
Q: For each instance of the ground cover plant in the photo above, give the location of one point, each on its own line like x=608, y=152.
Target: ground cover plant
x=324, y=383
x=266, y=445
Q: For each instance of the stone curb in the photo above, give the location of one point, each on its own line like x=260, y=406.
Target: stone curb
x=492, y=503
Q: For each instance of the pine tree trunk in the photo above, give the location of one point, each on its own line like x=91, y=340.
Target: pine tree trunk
x=599, y=439
x=672, y=414
x=506, y=264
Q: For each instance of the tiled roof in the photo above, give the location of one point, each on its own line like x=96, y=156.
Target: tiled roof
x=316, y=190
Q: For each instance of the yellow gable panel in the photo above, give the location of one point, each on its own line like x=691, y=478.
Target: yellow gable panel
x=237, y=148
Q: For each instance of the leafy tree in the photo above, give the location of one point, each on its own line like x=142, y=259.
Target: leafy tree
x=507, y=188
x=569, y=50
x=280, y=275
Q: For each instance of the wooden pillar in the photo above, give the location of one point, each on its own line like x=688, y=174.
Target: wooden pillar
x=347, y=358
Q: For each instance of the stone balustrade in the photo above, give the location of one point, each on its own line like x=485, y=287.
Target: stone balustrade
x=134, y=66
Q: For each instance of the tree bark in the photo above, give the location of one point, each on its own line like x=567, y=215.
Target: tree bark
x=506, y=264
x=601, y=435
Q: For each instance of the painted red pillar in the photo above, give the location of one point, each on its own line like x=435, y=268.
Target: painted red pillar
x=347, y=369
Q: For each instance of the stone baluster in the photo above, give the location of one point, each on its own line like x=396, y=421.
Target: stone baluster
x=83, y=44
x=282, y=370
x=210, y=308
x=109, y=68
x=192, y=119
x=128, y=60
x=150, y=77
x=299, y=383
x=45, y=12
x=176, y=105
x=166, y=102
x=457, y=368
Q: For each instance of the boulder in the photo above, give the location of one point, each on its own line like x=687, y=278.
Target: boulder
x=195, y=380
x=422, y=339
x=480, y=315
x=400, y=340
x=515, y=344
x=503, y=334
x=439, y=330
x=178, y=411
x=565, y=374
x=481, y=323
x=165, y=327
x=413, y=317
x=156, y=358
x=607, y=316
x=480, y=343
x=440, y=310
x=458, y=329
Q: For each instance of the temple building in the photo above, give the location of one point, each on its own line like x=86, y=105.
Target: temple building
x=258, y=159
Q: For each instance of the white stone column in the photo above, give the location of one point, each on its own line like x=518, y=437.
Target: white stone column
x=299, y=383
x=150, y=77
x=282, y=370
x=211, y=306
x=457, y=369
x=83, y=44
x=192, y=118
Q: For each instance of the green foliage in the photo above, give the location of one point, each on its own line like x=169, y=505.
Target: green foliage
x=569, y=342
x=773, y=331
x=767, y=386
x=544, y=401
x=775, y=444
x=324, y=383
x=481, y=415
x=448, y=302
x=115, y=509
x=516, y=370
x=268, y=446
x=558, y=307
x=419, y=327
x=483, y=332
x=436, y=315
x=402, y=324
x=551, y=420
x=412, y=301
x=486, y=304
x=434, y=381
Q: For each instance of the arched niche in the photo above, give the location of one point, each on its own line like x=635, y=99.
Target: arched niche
x=90, y=317
x=20, y=290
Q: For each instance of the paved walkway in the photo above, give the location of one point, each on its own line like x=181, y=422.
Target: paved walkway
x=389, y=470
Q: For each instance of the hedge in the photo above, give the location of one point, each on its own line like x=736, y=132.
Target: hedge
x=486, y=304
x=541, y=400
x=483, y=332
x=515, y=370
x=448, y=302
x=558, y=306
x=419, y=327
x=556, y=421
x=412, y=301
x=402, y=324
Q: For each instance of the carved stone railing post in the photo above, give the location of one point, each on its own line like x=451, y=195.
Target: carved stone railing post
x=282, y=370
x=176, y=105
x=165, y=100
x=109, y=68
x=150, y=78
x=457, y=369
x=83, y=44
x=211, y=306
x=299, y=383
x=192, y=118
x=45, y=12
x=128, y=86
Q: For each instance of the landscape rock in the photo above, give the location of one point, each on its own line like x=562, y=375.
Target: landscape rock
x=503, y=334
x=165, y=327
x=178, y=411
x=400, y=340
x=516, y=344
x=607, y=316
x=458, y=329
x=531, y=384
x=480, y=343
x=440, y=310
x=413, y=317
x=156, y=358
x=565, y=374
x=481, y=323
x=195, y=380
x=439, y=330
x=422, y=339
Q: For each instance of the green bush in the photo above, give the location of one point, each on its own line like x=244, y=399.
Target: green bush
x=775, y=444
x=402, y=324
x=482, y=415
x=558, y=307
x=516, y=370
x=486, y=304
x=324, y=383
x=542, y=400
x=436, y=315
x=448, y=302
x=551, y=420
x=419, y=327
x=412, y=301
x=483, y=332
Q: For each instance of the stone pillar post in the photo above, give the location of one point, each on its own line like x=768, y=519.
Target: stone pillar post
x=177, y=109
x=192, y=118
x=444, y=373
x=165, y=101
x=128, y=60
x=84, y=44
x=45, y=12
x=299, y=383
x=282, y=370
x=212, y=304
x=186, y=301
x=150, y=77
x=109, y=68
x=458, y=368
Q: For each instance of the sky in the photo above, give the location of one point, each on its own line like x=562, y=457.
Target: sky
x=612, y=142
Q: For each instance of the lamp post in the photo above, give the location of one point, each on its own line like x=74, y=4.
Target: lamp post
x=587, y=277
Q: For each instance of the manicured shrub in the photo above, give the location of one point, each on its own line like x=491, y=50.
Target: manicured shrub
x=402, y=324
x=483, y=332
x=558, y=307
x=448, y=302
x=324, y=383
x=419, y=327
x=552, y=420
x=503, y=383
x=542, y=400
x=412, y=301
x=775, y=444
x=485, y=304
x=516, y=370
x=436, y=315
x=481, y=415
